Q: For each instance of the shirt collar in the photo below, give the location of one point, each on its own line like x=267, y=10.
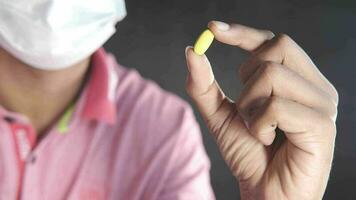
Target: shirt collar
x=97, y=101
x=100, y=92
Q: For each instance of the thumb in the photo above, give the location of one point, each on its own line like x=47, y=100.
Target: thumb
x=222, y=120
x=201, y=84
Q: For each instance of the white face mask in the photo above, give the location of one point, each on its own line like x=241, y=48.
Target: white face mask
x=55, y=34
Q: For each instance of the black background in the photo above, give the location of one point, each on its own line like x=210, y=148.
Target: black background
x=153, y=36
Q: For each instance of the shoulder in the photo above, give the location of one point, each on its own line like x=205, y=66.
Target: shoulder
x=155, y=119
x=147, y=101
x=147, y=109
x=162, y=135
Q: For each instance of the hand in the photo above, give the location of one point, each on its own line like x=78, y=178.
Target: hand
x=278, y=137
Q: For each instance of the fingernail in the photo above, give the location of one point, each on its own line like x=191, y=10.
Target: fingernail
x=186, y=50
x=222, y=26
x=246, y=124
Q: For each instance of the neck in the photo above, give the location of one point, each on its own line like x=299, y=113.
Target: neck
x=40, y=95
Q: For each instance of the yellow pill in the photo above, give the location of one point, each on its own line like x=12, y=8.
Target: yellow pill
x=203, y=42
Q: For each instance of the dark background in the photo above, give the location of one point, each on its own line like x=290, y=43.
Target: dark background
x=153, y=36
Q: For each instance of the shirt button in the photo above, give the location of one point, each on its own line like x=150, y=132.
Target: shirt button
x=32, y=159
x=9, y=119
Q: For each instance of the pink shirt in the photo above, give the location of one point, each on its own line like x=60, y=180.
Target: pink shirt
x=126, y=139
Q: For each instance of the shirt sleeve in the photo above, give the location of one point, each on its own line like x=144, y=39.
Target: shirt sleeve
x=188, y=176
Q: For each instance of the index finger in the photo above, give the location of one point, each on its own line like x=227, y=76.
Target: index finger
x=266, y=47
x=247, y=38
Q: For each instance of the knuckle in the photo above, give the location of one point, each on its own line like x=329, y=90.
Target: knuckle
x=255, y=129
x=258, y=130
x=333, y=112
x=328, y=107
x=268, y=68
x=330, y=88
x=272, y=106
x=283, y=39
x=240, y=104
x=336, y=97
x=243, y=106
x=326, y=126
x=330, y=125
x=335, y=94
x=269, y=71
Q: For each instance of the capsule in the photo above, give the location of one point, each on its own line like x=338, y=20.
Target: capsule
x=203, y=42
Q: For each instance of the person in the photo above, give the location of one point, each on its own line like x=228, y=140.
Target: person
x=77, y=125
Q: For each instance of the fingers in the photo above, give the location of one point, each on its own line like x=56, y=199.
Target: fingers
x=288, y=80
x=303, y=126
x=244, y=37
x=273, y=79
x=201, y=84
x=277, y=50
x=282, y=49
x=265, y=47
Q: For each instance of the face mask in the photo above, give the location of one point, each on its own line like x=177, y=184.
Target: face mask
x=55, y=34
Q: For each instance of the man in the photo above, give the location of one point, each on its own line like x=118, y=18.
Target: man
x=76, y=125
